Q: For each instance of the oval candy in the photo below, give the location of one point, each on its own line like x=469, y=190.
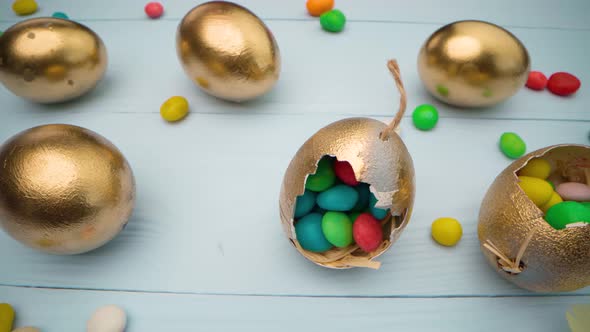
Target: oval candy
x=376, y=212
x=6, y=317
x=338, y=198
x=310, y=235
x=564, y=213
x=324, y=176
x=337, y=228
x=304, y=203
x=537, y=168
x=574, y=191
x=555, y=199
x=512, y=145
x=539, y=191
x=563, y=84
x=345, y=173
x=367, y=232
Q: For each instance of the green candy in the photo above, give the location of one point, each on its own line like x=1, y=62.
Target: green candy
x=333, y=21
x=425, y=117
x=324, y=176
x=337, y=228
x=512, y=145
x=564, y=213
x=586, y=204
x=6, y=317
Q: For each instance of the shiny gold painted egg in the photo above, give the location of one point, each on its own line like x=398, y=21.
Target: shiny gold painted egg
x=64, y=189
x=384, y=164
x=473, y=64
x=49, y=60
x=553, y=260
x=228, y=51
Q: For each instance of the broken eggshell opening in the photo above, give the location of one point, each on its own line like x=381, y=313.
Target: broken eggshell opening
x=554, y=260
x=384, y=164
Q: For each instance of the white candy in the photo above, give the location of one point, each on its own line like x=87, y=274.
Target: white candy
x=109, y=318
x=27, y=329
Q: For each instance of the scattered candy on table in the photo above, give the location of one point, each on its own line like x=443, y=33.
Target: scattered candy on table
x=327, y=213
x=536, y=81
x=318, y=7
x=512, y=145
x=61, y=15
x=6, y=317
x=154, y=9
x=333, y=20
x=174, y=109
x=446, y=231
x=24, y=7
x=563, y=84
x=109, y=318
x=425, y=117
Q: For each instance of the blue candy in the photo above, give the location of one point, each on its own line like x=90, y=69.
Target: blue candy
x=310, y=235
x=338, y=198
x=304, y=203
x=363, y=202
x=377, y=212
x=60, y=15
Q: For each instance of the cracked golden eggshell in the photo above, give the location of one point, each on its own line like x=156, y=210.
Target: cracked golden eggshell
x=555, y=260
x=64, y=189
x=385, y=165
x=50, y=60
x=227, y=51
x=473, y=64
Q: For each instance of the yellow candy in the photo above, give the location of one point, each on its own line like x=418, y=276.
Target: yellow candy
x=6, y=317
x=174, y=109
x=536, y=168
x=24, y=7
x=555, y=198
x=539, y=191
x=446, y=231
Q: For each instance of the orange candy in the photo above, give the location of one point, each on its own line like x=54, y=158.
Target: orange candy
x=318, y=7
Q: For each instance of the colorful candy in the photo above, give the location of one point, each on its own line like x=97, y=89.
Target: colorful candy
x=338, y=198
x=324, y=176
x=61, y=15
x=174, y=109
x=375, y=211
x=512, y=145
x=345, y=173
x=154, y=9
x=563, y=84
x=446, y=231
x=536, y=81
x=333, y=20
x=318, y=7
x=425, y=117
x=310, y=235
x=367, y=232
x=539, y=191
x=536, y=168
x=554, y=199
x=24, y=7
x=574, y=191
x=337, y=228
x=565, y=213
x=305, y=203
x=109, y=318
x=6, y=317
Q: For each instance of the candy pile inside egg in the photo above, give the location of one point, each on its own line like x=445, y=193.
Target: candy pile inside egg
x=565, y=199
x=337, y=211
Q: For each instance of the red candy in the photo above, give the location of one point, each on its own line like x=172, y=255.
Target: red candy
x=367, y=232
x=563, y=84
x=536, y=81
x=345, y=173
x=154, y=9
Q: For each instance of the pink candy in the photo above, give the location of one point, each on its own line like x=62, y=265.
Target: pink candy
x=574, y=191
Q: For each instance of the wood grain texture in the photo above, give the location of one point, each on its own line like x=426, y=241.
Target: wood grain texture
x=205, y=248
x=65, y=310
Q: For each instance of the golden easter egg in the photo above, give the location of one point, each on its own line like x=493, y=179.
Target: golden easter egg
x=516, y=239
x=473, y=64
x=228, y=51
x=50, y=60
x=64, y=189
x=384, y=164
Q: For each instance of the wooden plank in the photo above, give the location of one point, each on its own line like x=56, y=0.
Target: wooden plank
x=207, y=219
x=66, y=310
x=528, y=13
x=318, y=74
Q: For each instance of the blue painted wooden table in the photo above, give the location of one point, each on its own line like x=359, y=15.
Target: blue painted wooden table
x=205, y=251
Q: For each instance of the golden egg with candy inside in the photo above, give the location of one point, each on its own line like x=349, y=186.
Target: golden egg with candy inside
x=473, y=64
x=384, y=164
x=228, y=51
x=64, y=189
x=50, y=60
x=516, y=238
